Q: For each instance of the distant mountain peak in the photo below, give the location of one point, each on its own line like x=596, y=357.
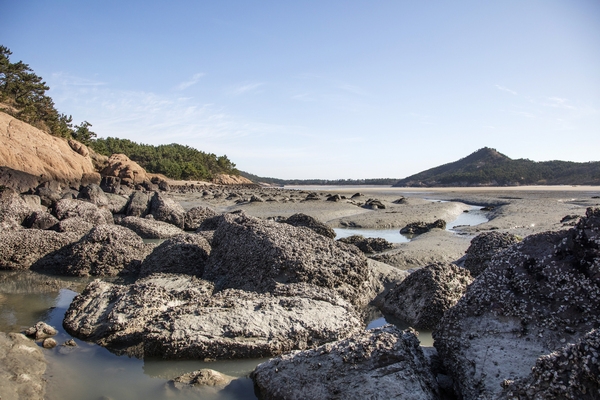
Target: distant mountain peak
x=489, y=167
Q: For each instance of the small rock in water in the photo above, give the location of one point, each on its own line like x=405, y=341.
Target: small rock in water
x=70, y=343
x=40, y=330
x=49, y=343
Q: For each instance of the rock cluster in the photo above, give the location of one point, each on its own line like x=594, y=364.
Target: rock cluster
x=539, y=295
x=425, y=295
x=417, y=228
x=484, y=246
x=381, y=363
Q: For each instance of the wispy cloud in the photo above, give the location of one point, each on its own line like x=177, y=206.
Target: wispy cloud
x=249, y=87
x=505, y=89
x=195, y=79
x=558, y=102
x=70, y=80
x=352, y=89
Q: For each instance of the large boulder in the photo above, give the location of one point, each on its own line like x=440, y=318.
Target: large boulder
x=106, y=250
x=425, y=295
x=22, y=368
x=13, y=209
x=310, y=223
x=148, y=228
x=139, y=204
x=382, y=363
x=572, y=372
x=20, y=249
x=69, y=208
x=165, y=209
x=252, y=254
x=534, y=297
x=93, y=194
x=75, y=224
x=129, y=172
x=184, y=254
x=484, y=246
x=195, y=216
x=34, y=153
x=178, y=317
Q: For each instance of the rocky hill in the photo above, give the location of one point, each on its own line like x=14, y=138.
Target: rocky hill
x=488, y=167
x=29, y=156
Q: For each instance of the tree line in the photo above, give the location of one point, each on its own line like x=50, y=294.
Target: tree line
x=23, y=96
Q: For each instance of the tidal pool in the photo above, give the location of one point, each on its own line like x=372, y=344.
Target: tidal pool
x=474, y=217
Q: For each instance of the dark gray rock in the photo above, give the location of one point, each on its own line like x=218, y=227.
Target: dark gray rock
x=533, y=299
x=22, y=368
x=168, y=210
x=374, y=204
x=149, y=228
x=335, y=198
x=106, y=250
x=195, y=216
x=49, y=194
x=117, y=204
x=139, y=204
x=178, y=317
x=484, y=246
x=40, y=220
x=110, y=184
x=252, y=254
x=382, y=363
x=184, y=254
x=13, y=209
x=20, y=249
x=312, y=196
x=69, y=208
x=417, y=228
x=310, y=223
x=367, y=245
x=572, y=372
x=425, y=295
x=93, y=194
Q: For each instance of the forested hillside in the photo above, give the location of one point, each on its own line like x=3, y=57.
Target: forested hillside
x=23, y=96
x=173, y=160
x=488, y=167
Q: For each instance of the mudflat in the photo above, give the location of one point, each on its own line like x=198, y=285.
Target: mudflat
x=521, y=211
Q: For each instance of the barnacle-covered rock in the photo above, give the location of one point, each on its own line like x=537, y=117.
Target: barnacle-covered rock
x=178, y=317
x=533, y=299
x=417, y=228
x=572, y=372
x=484, y=246
x=251, y=254
x=425, y=295
x=20, y=249
x=106, y=250
x=381, y=363
x=311, y=223
x=184, y=254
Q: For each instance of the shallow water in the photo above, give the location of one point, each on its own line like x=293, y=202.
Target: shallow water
x=92, y=372
x=474, y=217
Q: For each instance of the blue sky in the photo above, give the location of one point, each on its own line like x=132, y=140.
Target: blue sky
x=324, y=89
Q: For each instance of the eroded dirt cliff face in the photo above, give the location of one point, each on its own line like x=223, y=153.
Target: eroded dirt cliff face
x=30, y=156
